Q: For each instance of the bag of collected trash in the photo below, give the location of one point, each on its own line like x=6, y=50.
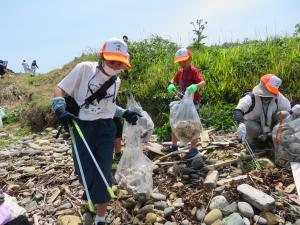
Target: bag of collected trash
x=145, y=123
x=9, y=209
x=134, y=171
x=286, y=139
x=184, y=119
x=3, y=114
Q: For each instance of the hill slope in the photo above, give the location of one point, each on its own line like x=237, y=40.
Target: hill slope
x=229, y=71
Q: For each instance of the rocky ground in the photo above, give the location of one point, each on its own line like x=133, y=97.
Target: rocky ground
x=224, y=189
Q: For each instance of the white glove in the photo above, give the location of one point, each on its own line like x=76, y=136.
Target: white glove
x=241, y=131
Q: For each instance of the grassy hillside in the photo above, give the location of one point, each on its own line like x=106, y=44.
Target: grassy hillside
x=229, y=71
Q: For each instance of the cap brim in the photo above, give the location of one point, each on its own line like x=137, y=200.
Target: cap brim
x=117, y=57
x=273, y=90
x=263, y=92
x=181, y=59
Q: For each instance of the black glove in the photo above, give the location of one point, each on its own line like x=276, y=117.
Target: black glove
x=64, y=117
x=131, y=116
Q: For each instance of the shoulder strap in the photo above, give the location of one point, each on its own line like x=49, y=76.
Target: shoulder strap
x=252, y=102
x=101, y=92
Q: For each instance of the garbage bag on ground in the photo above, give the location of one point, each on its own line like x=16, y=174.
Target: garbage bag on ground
x=184, y=119
x=145, y=123
x=134, y=171
x=9, y=209
x=286, y=139
x=3, y=114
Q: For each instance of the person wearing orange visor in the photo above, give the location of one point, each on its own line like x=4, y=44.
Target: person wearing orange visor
x=187, y=78
x=95, y=118
x=256, y=112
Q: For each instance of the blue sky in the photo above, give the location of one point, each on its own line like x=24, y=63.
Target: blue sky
x=55, y=31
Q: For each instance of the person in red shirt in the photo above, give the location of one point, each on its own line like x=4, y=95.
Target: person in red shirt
x=187, y=78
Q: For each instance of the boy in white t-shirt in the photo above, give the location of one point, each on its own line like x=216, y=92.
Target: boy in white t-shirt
x=95, y=119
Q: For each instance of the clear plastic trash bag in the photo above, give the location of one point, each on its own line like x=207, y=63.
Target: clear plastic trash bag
x=286, y=139
x=184, y=119
x=134, y=172
x=145, y=123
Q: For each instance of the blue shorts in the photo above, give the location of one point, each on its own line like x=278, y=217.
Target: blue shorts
x=100, y=135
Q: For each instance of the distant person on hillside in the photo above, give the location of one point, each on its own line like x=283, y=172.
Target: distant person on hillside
x=256, y=112
x=2, y=69
x=33, y=67
x=95, y=117
x=26, y=66
x=125, y=39
x=187, y=78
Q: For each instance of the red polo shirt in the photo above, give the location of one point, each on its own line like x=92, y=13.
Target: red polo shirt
x=185, y=78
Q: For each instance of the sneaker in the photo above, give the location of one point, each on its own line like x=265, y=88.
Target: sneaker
x=169, y=149
x=193, y=152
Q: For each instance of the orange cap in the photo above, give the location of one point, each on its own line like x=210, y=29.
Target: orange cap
x=182, y=54
x=272, y=83
x=115, y=49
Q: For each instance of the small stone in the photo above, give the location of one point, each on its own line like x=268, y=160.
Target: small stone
x=28, y=169
x=218, y=202
x=220, y=189
x=212, y=216
x=122, y=193
x=297, y=222
x=34, y=146
x=168, y=211
x=158, y=196
x=211, y=179
x=129, y=203
x=64, y=212
x=229, y=209
x=38, y=197
x=31, y=206
x=218, y=222
x=195, y=176
x=289, y=189
x=235, y=219
x=161, y=205
x=246, y=221
x=271, y=218
x=193, y=212
x=187, y=171
x=197, y=163
x=185, y=222
x=260, y=220
x=178, y=184
x=150, y=218
x=200, y=214
x=279, y=205
x=69, y=220
x=246, y=209
x=146, y=209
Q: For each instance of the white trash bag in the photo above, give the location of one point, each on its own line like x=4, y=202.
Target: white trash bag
x=286, y=139
x=184, y=119
x=134, y=172
x=145, y=123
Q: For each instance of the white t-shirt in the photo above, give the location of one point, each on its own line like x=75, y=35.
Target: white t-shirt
x=79, y=83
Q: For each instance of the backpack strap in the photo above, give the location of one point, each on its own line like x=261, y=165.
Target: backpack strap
x=252, y=102
x=101, y=92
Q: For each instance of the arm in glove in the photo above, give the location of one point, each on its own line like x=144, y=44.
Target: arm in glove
x=172, y=88
x=192, y=88
x=131, y=116
x=59, y=108
x=242, y=131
